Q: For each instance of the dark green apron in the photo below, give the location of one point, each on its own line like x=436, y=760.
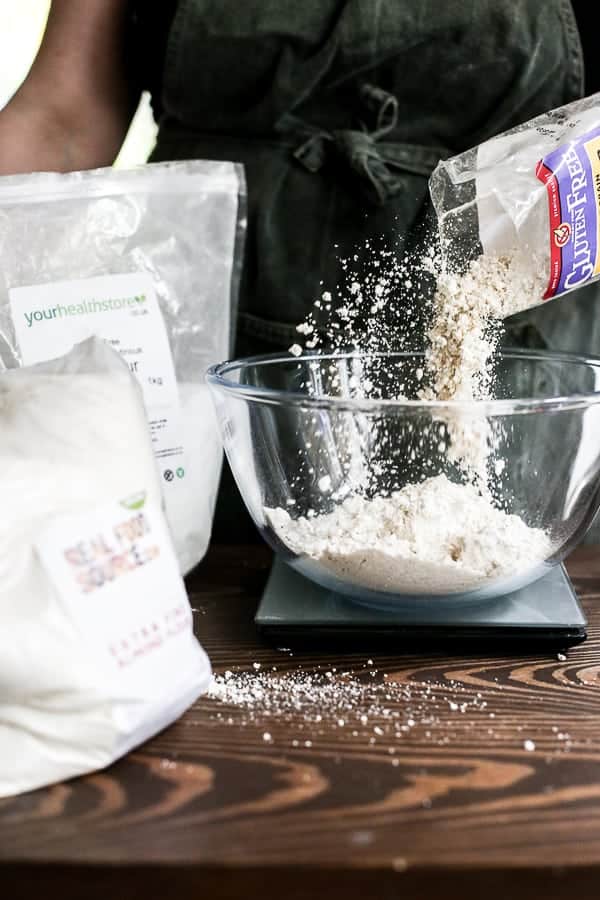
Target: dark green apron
x=339, y=110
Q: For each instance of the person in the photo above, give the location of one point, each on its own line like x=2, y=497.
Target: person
x=338, y=109
x=286, y=89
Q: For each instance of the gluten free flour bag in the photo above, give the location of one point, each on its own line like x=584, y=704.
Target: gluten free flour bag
x=97, y=651
x=530, y=198
x=148, y=260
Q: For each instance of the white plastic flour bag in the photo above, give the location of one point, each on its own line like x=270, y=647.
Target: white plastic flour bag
x=533, y=193
x=149, y=260
x=96, y=645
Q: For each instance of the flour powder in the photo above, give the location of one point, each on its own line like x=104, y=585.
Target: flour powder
x=430, y=537
x=436, y=535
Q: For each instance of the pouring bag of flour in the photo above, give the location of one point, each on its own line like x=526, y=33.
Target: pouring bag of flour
x=149, y=260
x=96, y=645
x=532, y=193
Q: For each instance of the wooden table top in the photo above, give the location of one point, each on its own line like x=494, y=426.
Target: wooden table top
x=458, y=806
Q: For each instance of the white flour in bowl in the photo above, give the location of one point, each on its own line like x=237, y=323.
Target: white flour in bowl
x=431, y=537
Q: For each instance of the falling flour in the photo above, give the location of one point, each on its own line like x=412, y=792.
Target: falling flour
x=430, y=537
x=468, y=310
x=435, y=535
x=462, y=341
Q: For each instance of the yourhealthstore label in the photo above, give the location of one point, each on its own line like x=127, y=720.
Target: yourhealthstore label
x=123, y=310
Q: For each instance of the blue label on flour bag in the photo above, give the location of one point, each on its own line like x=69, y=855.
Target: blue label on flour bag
x=571, y=174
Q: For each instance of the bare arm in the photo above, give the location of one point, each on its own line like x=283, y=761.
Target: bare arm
x=74, y=108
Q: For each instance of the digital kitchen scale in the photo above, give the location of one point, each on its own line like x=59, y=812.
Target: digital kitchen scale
x=295, y=611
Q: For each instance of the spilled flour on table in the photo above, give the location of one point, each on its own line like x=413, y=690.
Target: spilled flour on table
x=292, y=708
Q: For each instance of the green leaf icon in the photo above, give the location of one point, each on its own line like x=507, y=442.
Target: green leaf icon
x=136, y=501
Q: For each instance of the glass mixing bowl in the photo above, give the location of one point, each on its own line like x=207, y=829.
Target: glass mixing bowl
x=303, y=441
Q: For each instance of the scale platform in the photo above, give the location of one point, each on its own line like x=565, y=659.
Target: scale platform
x=295, y=611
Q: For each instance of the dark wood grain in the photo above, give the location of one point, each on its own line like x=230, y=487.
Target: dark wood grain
x=459, y=808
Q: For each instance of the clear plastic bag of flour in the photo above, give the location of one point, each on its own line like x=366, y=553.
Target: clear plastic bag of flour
x=532, y=193
x=97, y=651
x=148, y=259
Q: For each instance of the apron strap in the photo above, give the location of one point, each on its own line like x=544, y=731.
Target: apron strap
x=377, y=163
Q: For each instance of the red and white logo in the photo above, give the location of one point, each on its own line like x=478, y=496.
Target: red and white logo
x=562, y=234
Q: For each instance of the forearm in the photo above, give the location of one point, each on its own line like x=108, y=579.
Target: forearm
x=73, y=109
x=82, y=55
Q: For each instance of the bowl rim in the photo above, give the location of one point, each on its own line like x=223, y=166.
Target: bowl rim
x=216, y=377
